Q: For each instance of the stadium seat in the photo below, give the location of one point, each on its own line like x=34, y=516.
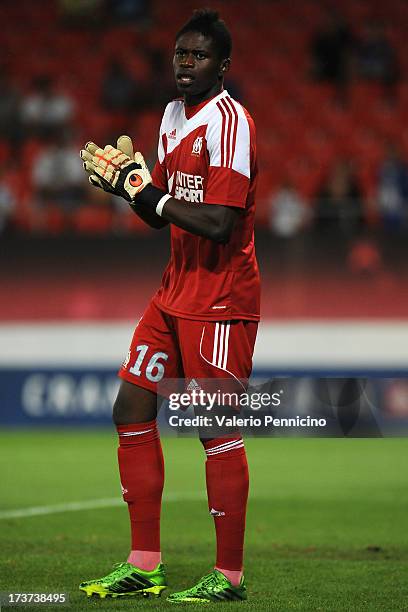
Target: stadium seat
x=92, y=219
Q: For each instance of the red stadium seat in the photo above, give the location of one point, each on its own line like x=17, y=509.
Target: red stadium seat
x=92, y=219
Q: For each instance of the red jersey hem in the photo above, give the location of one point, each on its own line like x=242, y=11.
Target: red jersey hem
x=217, y=316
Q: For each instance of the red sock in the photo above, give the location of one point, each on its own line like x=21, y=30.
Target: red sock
x=141, y=470
x=227, y=490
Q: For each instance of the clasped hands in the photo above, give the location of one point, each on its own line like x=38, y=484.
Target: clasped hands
x=117, y=170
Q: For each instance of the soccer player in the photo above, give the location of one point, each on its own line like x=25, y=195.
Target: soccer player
x=202, y=322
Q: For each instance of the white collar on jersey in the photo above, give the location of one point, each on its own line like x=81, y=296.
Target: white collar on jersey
x=223, y=94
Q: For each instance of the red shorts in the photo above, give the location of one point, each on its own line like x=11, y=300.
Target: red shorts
x=168, y=347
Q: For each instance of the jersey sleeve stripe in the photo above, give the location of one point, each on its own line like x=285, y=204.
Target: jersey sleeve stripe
x=235, y=129
x=224, y=120
x=229, y=132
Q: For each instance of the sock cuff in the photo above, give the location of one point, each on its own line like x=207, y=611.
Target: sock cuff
x=138, y=432
x=220, y=446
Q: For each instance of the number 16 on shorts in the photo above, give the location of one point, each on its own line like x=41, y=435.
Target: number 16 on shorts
x=153, y=369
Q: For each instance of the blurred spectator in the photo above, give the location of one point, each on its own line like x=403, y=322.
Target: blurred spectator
x=331, y=49
x=7, y=205
x=339, y=205
x=44, y=111
x=79, y=12
x=125, y=11
x=118, y=88
x=58, y=175
x=10, y=125
x=393, y=189
x=376, y=58
x=288, y=213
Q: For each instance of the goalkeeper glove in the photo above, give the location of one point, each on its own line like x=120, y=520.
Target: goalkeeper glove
x=86, y=156
x=116, y=170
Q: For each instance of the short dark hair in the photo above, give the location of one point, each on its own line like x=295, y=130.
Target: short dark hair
x=208, y=23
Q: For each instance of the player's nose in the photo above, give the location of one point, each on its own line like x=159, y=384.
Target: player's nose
x=188, y=60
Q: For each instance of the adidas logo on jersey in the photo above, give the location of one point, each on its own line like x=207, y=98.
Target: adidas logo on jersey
x=173, y=134
x=197, y=146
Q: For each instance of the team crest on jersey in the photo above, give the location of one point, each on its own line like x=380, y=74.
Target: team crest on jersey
x=197, y=146
x=173, y=134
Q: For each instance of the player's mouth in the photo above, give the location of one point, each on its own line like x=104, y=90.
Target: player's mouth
x=184, y=78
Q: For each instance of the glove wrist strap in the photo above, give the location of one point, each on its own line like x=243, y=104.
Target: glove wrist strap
x=161, y=203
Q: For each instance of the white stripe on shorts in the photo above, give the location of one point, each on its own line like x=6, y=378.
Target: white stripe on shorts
x=220, y=346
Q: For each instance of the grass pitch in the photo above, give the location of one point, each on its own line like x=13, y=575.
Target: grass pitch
x=327, y=522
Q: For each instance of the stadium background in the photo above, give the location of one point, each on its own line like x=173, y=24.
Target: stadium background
x=327, y=521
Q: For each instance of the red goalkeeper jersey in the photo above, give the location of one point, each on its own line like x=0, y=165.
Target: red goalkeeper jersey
x=207, y=154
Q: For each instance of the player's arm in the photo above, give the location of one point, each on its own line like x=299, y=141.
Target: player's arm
x=130, y=178
x=159, y=180
x=208, y=220
x=150, y=217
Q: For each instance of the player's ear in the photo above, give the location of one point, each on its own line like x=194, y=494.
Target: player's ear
x=225, y=66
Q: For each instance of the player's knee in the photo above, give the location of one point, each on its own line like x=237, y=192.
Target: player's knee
x=119, y=410
x=125, y=411
x=134, y=405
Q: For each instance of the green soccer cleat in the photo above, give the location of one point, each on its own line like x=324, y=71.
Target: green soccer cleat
x=126, y=580
x=213, y=587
